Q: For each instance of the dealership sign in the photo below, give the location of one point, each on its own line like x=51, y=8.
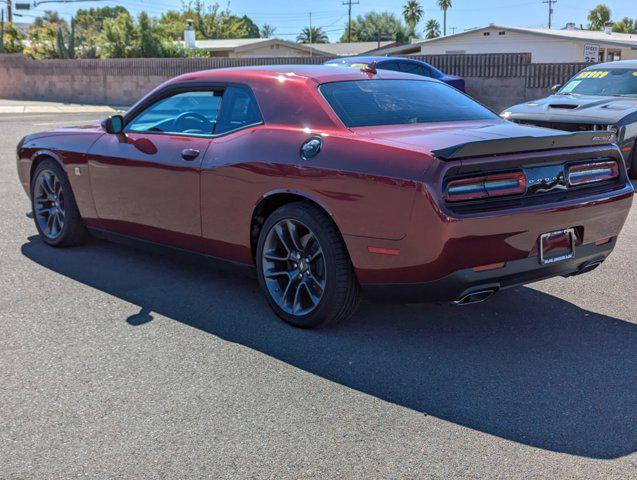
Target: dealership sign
x=591, y=53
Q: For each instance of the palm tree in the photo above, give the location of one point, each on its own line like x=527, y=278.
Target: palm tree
x=312, y=35
x=432, y=29
x=412, y=13
x=598, y=17
x=444, y=5
x=267, y=30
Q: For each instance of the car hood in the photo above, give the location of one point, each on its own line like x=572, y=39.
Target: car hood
x=65, y=131
x=425, y=138
x=575, y=108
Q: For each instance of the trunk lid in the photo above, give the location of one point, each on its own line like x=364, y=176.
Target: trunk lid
x=449, y=141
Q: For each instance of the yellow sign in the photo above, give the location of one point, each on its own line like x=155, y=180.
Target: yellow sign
x=593, y=74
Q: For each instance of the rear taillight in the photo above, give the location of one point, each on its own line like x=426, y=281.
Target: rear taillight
x=498, y=185
x=592, y=172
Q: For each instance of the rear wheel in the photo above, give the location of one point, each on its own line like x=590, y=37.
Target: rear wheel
x=304, y=268
x=54, y=209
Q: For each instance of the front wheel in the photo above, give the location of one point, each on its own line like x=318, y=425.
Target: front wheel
x=304, y=268
x=54, y=209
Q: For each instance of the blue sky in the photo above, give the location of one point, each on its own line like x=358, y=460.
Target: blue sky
x=290, y=16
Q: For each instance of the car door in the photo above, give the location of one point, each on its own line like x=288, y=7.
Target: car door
x=227, y=191
x=145, y=181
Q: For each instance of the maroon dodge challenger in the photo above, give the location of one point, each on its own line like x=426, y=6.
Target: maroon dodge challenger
x=330, y=181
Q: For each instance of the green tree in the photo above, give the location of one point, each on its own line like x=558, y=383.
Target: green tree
x=118, y=37
x=432, y=29
x=46, y=36
x=209, y=22
x=444, y=6
x=412, y=13
x=12, y=39
x=625, y=25
x=312, y=35
x=65, y=41
x=252, y=29
x=373, y=25
x=148, y=42
x=267, y=30
x=89, y=24
x=598, y=17
x=48, y=17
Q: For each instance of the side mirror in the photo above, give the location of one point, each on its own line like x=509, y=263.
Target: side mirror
x=555, y=88
x=113, y=124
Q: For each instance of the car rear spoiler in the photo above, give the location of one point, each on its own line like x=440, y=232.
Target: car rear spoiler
x=500, y=146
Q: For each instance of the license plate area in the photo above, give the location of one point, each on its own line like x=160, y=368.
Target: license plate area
x=557, y=246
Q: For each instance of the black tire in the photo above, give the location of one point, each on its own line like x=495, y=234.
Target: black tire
x=73, y=231
x=632, y=165
x=341, y=292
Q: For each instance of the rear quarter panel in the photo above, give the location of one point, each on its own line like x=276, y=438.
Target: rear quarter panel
x=367, y=189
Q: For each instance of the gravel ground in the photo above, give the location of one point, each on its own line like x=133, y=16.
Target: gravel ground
x=120, y=363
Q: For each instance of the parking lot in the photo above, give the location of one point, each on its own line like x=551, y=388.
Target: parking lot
x=120, y=363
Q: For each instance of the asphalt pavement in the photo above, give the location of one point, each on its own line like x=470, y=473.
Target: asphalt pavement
x=119, y=363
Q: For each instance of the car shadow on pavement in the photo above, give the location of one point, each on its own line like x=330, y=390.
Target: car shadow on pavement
x=525, y=366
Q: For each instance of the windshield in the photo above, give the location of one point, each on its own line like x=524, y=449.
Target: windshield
x=364, y=103
x=603, y=82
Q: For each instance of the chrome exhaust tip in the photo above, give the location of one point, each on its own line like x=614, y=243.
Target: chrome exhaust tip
x=589, y=266
x=478, y=296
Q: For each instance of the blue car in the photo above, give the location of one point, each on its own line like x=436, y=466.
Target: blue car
x=399, y=64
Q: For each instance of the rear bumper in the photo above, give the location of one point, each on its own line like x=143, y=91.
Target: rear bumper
x=463, y=282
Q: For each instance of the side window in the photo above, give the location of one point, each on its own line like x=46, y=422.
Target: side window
x=187, y=112
x=239, y=109
x=389, y=66
x=415, y=69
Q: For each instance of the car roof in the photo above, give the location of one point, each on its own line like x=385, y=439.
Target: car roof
x=617, y=64
x=378, y=59
x=317, y=73
x=373, y=58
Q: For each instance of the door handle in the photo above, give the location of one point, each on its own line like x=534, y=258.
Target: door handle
x=189, y=154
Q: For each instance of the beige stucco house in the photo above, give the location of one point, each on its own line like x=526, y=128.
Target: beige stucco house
x=567, y=45
x=274, y=47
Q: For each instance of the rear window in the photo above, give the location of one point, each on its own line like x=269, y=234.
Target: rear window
x=366, y=103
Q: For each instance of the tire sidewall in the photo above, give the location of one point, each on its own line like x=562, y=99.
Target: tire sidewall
x=321, y=312
x=69, y=202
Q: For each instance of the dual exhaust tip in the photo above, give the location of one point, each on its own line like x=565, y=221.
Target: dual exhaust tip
x=477, y=296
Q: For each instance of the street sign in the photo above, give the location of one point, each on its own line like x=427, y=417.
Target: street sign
x=591, y=53
x=22, y=6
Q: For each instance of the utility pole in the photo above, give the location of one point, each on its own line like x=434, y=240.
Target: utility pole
x=310, y=34
x=349, y=4
x=9, y=11
x=453, y=30
x=550, y=4
x=1, y=30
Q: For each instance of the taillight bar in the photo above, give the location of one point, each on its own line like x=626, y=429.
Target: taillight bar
x=592, y=172
x=498, y=185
